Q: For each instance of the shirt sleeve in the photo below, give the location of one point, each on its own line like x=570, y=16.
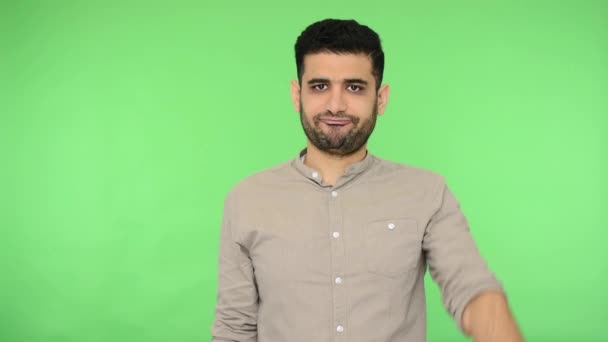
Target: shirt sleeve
x=455, y=263
x=237, y=296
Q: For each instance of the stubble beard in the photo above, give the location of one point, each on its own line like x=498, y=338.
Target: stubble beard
x=335, y=142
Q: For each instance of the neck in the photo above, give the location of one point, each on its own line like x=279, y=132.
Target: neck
x=331, y=167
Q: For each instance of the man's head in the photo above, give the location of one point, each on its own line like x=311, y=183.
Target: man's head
x=339, y=92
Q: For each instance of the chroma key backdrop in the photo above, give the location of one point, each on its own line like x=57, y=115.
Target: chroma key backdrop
x=123, y=124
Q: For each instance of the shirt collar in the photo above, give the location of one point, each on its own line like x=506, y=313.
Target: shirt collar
x=352, y=170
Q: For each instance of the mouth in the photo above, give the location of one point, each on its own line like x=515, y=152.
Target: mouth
x=336, y=122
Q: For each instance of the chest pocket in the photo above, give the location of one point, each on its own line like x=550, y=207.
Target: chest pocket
x=392, y=246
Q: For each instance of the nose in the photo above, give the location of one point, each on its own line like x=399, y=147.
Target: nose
x=337, y=101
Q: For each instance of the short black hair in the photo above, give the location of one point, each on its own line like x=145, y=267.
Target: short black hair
x=340, y=36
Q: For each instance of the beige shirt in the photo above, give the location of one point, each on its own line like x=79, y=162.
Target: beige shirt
x=301, y=260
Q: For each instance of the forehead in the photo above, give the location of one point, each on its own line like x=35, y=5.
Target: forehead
x=332, y=65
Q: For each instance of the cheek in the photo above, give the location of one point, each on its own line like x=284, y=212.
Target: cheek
x=312, y=105
x=361, y=106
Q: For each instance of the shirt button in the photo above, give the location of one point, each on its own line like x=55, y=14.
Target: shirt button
x=334, y=194
x=315, y=175
x=391, y=226
x=336, y=235
x=339, y=328
x=338, y=280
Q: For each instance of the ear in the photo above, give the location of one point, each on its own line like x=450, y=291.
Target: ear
x=383, y=94
x=295, y=95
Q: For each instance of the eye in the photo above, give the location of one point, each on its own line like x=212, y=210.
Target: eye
x=319, y=87
x=354, y=88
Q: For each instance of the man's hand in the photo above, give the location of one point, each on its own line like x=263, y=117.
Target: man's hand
x=487, y=318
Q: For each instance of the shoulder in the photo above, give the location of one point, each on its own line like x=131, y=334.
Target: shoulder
x=420, y=184
x=407, y=173
x=261, y=180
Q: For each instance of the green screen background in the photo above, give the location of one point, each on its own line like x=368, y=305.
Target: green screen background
x=124, y=124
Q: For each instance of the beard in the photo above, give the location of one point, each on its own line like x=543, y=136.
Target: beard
x=337, y=141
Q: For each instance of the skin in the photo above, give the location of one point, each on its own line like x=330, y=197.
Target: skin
x=338, y=97
x=337, y=86
x=487, y=318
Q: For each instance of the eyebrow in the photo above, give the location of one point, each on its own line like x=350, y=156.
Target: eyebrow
x=346, y=80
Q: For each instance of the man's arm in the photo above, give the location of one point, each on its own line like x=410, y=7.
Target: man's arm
x=462, y=274
x=487, y=318
x=237, y=295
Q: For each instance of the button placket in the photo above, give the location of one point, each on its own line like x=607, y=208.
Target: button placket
x=338, y=262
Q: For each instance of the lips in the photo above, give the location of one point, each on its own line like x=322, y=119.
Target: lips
x=336, y=121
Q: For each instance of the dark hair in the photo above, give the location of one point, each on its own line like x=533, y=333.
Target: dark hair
x=340, y=36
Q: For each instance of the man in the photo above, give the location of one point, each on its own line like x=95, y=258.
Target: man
x=334, y=244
